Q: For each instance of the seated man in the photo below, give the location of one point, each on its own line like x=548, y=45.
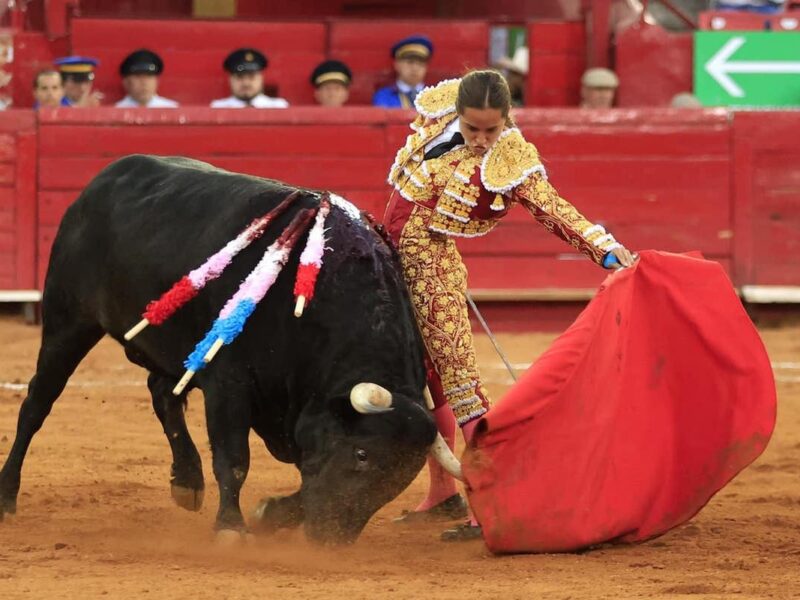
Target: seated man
x=246, y=67
x=331, y=80
x=77, y=73
x=411, y=56
x=598, y=88
x=515, y=71
x=48, y=89
x=140, y=72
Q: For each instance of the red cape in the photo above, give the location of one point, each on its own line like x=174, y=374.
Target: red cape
x=654, y=399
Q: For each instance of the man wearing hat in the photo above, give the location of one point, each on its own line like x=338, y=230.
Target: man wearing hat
x=411, y=57
x=77, y=73
x=140, y=72
x=246, y=67
x=331, y=81
x=598, y=87
x=516, y=71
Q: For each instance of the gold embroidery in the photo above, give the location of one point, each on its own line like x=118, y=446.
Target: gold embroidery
x=437, y=280
x=561, y=218
x=509, y=162
x=439, y=100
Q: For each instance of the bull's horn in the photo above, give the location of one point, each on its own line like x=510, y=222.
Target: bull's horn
x=370, y=398
x=442, y=453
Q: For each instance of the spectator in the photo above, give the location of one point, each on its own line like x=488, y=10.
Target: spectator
x=140, y=72
x=411, y=56
x=246, y=67
x=331, y=80
x=516, y=71
x=598, y=88
x=685, y=100
x=77, y=73
x=48, y=89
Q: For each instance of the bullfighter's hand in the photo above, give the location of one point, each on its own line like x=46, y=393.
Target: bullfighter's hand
x=624, y=257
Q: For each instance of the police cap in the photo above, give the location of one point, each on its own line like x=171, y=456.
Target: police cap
x=141, y=62
x=245, y=60
x=415, y=46
x=78, y=68
x=331, y=70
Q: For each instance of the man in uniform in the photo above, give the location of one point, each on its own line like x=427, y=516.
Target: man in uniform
x=331, y=80
x=598, y=88
x=77, y=73
x=411, y=56
x=140, y=72
x=246, y=67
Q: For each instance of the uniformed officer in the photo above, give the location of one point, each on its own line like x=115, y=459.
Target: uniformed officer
x=140, y=72
x=77, y=73
x=411, y=56
x=331, y=80
x=246, y=67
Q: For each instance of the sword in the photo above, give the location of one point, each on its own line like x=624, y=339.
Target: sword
x=488, y=331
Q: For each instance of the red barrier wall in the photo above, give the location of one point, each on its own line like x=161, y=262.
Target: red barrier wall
x=656, y=179
x=17, y=200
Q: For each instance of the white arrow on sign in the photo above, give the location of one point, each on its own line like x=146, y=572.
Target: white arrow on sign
x=719, y=67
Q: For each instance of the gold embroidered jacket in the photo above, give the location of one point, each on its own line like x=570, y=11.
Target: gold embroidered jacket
x=467, y=194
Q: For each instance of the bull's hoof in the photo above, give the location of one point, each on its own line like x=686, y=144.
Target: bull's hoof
x=187, y=498
x=233, y=538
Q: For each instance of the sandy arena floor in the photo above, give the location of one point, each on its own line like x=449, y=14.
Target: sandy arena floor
x=96, y=518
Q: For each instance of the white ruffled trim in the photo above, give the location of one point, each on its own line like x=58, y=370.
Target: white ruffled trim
x=446, y=213
x=403, y=194
x=474, y=414
x=462, y=178
x=465, y=402
x=613, y=246
x=425, y=169
x=525, y=174
x=413, y=179
x=461, y=388
x=593, y=229
x=603, y=239
x=461, y=199
x=454, y=234
x=440, y=113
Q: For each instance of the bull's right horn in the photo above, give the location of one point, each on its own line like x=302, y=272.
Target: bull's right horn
x=370, y=398
x=442, y=453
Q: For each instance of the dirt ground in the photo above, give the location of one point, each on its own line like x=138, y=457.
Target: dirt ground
x=96, y=518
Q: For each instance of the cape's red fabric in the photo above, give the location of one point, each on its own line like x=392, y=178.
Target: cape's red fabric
x=656, y=397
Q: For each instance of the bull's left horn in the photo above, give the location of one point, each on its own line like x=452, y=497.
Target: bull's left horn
x=442, y=453
x=370, y=398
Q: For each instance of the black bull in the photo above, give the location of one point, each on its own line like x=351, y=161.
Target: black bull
x=143, y=223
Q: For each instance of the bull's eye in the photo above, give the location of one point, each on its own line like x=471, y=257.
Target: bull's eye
x=361, y=456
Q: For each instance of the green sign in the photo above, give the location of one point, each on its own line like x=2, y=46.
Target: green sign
x=744, y=68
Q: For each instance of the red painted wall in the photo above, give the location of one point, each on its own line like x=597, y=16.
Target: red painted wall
x=18, y=224
x=655, y=178
x=722, y=183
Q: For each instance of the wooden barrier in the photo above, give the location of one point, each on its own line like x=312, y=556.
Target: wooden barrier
x=710, y=180
x=17, y=206
x=656, y=179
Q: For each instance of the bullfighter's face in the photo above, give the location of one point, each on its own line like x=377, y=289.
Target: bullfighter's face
x=353, y=464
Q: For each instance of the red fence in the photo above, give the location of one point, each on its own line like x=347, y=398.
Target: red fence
x=17, y=200
x=720, y=182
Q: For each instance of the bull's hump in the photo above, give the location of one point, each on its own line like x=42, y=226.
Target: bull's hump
x=349, y=209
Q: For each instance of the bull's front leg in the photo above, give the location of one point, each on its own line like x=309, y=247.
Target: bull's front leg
x=228, y=417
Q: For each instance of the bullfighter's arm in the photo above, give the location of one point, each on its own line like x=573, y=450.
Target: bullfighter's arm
x=561, y=218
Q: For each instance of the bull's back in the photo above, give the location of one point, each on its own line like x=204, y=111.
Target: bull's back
x=144, y=222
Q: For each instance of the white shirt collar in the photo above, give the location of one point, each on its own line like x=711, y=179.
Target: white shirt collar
x=405, y=88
